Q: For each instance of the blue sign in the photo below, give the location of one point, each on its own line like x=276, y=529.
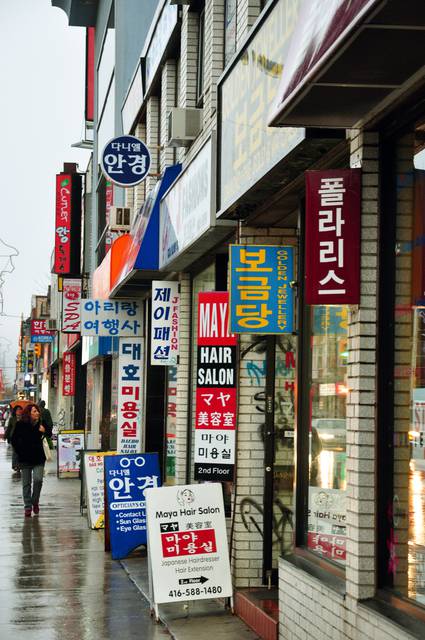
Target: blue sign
x=125, y=161
x=40, y=338
x=261, y=294
x=126, y=478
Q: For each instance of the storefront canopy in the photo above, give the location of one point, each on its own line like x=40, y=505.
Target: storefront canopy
x=347, y=57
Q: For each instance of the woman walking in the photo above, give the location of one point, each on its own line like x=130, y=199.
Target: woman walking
x=14, y=418
x=27, y=442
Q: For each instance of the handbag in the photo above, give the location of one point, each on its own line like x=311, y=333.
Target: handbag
x=46, y=449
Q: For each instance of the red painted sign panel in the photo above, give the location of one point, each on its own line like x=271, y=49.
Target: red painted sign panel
x=332, y=243
x=68, y=374
x=62, y=264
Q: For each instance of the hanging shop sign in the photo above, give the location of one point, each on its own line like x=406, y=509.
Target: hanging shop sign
x=39, y=333
x=216, y=399
x=71, y=301
x=70, y=444
x=187, y=543
x=332, y=243
x=106, y=318
x=68, y=374
x=129, y=411
x=125, y=161
x=261, y=294
x=126, y=479
x=30, y=361
x=62, y=263
x=95, y=487
x=165, y=322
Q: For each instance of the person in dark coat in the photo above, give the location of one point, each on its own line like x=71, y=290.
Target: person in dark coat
x=14, y=418
x=46, y=416
x=27, y=441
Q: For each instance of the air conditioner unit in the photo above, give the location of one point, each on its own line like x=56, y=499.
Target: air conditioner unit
x=184, y=125
x=52, y=324
x=119, y=218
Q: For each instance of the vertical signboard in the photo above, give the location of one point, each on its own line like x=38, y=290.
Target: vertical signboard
x=165, y=322
x=30, y=361
x=130, y=377
x=216, y=398
x=68, y=374
x=187, y=543
x=109, y=199
x=126, y=479
x=261, y=295
x=62, y=263
x=332, y=249
x=170, y=460
x=71, y=302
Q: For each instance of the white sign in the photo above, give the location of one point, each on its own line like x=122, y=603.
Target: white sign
x=71, y=302
x=158, y=41
x=129, y=413
x=165, y=322
x=133, y=100
x=187, y=210
x=94, y=482
x=111, y=318
x=187, y=543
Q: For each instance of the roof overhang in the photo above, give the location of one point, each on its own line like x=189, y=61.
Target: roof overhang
x=81, y=13
x=342, y=65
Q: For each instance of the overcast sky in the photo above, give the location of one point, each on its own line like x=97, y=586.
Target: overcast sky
x=41, y=115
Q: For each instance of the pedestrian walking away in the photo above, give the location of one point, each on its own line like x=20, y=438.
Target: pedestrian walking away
x=27, y=440
x=14, y=418
x=46, y=416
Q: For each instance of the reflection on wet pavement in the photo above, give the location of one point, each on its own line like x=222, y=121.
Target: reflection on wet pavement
x=56, y=581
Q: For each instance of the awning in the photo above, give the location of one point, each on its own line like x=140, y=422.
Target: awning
x=346, y=57
x=111, y=265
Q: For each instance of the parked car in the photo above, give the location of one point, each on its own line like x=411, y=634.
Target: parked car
x=331, y=432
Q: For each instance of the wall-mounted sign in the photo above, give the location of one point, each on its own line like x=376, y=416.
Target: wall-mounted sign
x=165, y=322
x=70, y=444
x=39, y=333
x=163, y=25
x=62, y=263
x=71, y=300
x=126, y=479
x=187, y=543
x=332, y=242
x=130, y=407
x=68, y=374
x=216, y=399
x=125, y=161
x=188, y=208
x=261, y=295
x=106, y=318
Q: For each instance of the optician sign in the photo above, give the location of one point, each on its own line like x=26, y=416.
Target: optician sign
x=106, y=318
x=71, y=301
x=129, y=410
x=126, y=479
x=187, y=543
x=216, y=398
x=125, y=161
x=165, y=322
x=332, y=239
x=261, y=295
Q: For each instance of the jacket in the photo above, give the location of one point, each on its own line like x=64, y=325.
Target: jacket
x=10, y=429
x=27, y=442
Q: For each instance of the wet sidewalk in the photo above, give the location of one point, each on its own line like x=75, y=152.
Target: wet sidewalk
x=57, y=583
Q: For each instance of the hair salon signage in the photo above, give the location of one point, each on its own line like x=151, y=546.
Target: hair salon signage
x=332, y=242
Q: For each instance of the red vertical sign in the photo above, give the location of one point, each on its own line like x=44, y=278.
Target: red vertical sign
x=62, y=263
x=68, y=374
x=216, y=398
x=332, y=243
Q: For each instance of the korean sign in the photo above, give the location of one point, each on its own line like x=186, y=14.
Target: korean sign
x=126, y=479
x=165, y=322
x=95, y=487
x=62, y=262
x=261, y=296
x=71, y=301
x=332, y=271
x=187, y=543
x=109, y=318
x=39, y=333
x=70, y=444
x=129, y=411
x=68, y=374
x=125, y=161
x=216, y=399
x=327, y=533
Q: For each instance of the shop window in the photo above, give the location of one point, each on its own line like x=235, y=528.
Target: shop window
x=326, y=528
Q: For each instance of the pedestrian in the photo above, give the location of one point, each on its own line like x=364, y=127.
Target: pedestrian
x=46, y=416
x=14, y=418
x=27, y=440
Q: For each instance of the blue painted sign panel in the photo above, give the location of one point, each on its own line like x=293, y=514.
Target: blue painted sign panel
x=125, y=161
x=261, y=296
x=126, y=478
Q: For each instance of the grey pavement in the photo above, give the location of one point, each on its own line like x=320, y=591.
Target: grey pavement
x=56, y=581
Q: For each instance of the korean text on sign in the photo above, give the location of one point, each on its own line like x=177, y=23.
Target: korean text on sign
x=125, y=161
x=165, y=323
x=106, y=318
x=62, y=262
x=129, y=411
